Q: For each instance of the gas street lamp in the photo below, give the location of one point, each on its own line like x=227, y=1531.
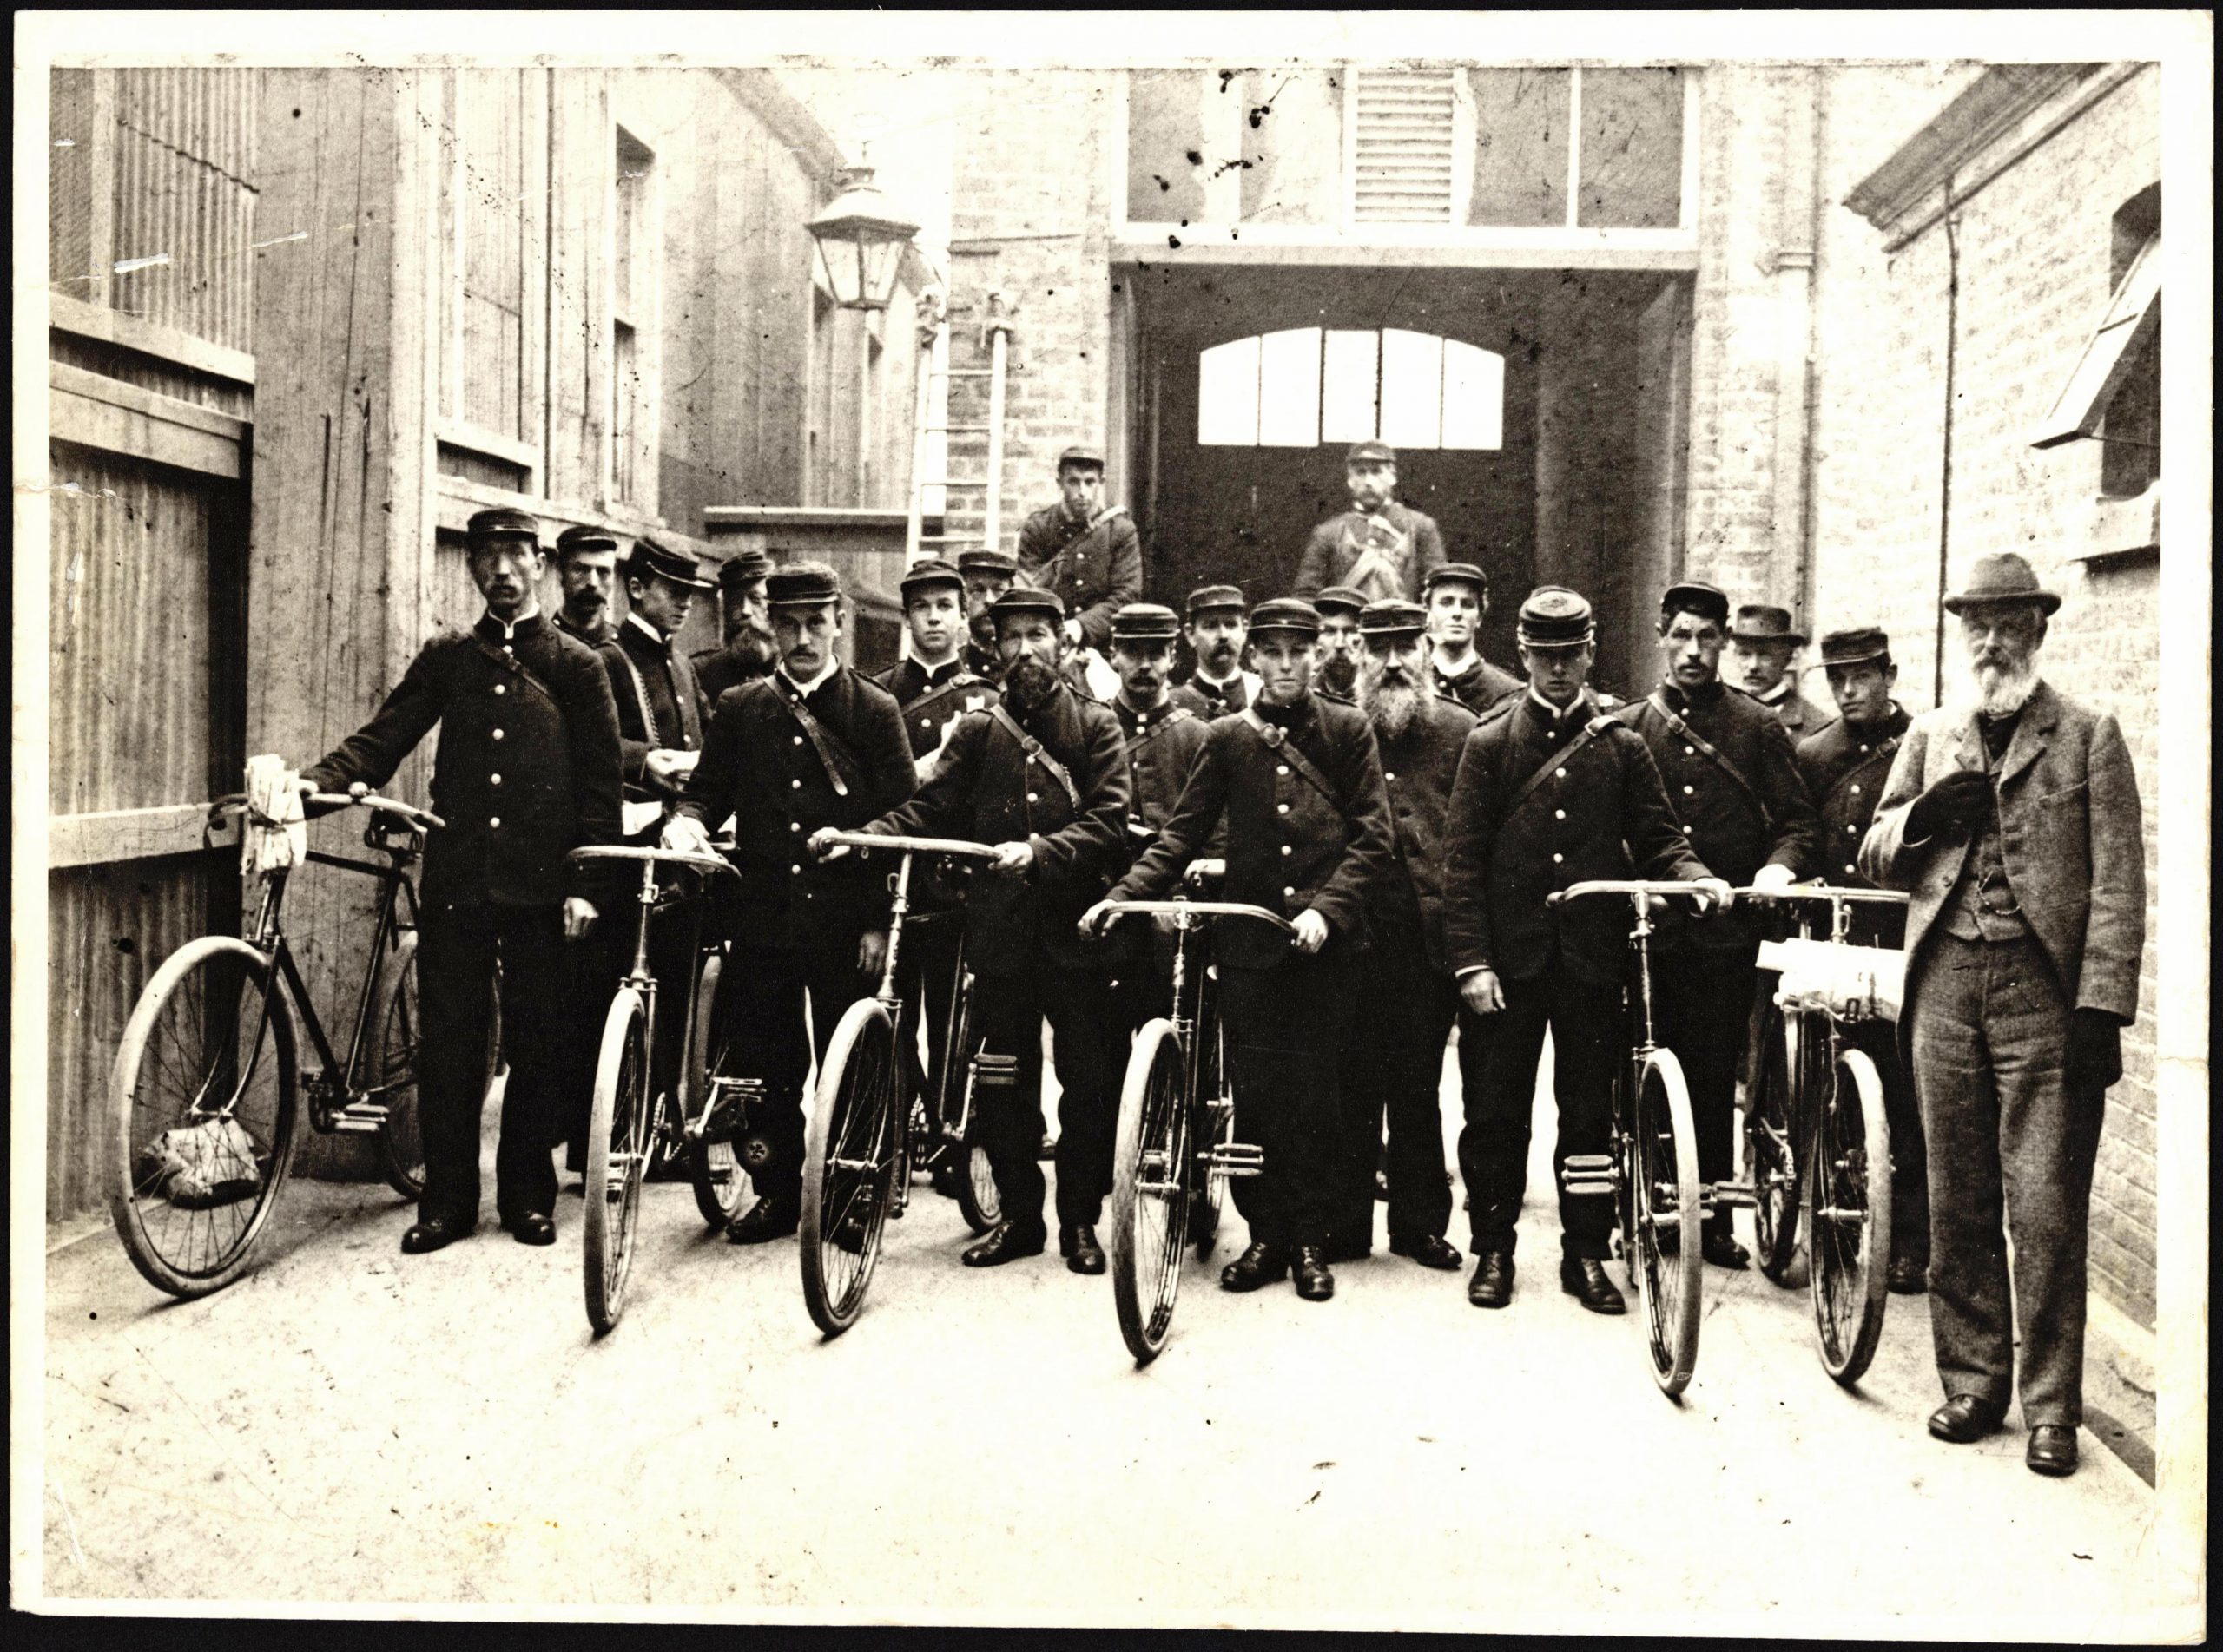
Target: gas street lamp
x=861, y=240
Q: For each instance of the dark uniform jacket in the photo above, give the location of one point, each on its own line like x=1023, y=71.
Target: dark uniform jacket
x=982, y=661
x=1481, y=686
x=527, y=769
x=990, y=789
x=1095, y=569
x=1209, y=699
x=931, y=703
x=1845, y=769
x=1736, y=824
x=719, y=670
x=1162, y=746
x=1593, y=813
x=593, y=635
x=1417, y=768
x=1289, y=847
x=673, y=714
x=1337, y=544
x=759, y=766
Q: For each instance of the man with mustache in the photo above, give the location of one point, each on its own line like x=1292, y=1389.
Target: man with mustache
x=586, y=566
x=987, y=576
x=1295, y=783
x=749, y=651
x=2013, y=821
x=1458, y=596
x=1042, y=777
x=1762, y=645
x=1340, y=645
x=1551, y=792
x=1732, y=781
x=1378, y=547
x=1393, y=1061
x=1216, y=632
x=1083, y=551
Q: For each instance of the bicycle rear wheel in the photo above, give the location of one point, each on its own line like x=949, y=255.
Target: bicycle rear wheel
x=617, y=1156
x=1664, y=1184
x=1849, y=1216
x=713, y=1166
x=849, y=1165
x=1771, y=1108
x=978, y=1201
x=1153, y=1179
x=396, y=1031
x=202, y=1104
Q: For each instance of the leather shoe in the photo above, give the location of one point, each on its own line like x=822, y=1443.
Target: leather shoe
x=1007, y=1242
x=1964, y=1419
x=2052, y=1449
x=1314, y=1282
x=434, y=1232
x=1723, y=1250
x=1429, y=1250
x=1076, y=1244
x=1584, y=1278
x=533, y=1227
x=1908, y=1277
x=775, y=1216
x=1262, y=1264
x=1492, y=1286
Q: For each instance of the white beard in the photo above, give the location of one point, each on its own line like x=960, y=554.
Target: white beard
x=1389, y=708
x=1999, y=691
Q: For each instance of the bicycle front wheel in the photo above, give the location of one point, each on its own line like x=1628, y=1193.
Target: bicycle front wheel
x=617, y=1156
x=1849, y=1217
x=850, y=1164
x=1212, y=1124
x=202, y=1105
x=712, y=1165
x=978, y=1201
x=1665, y=1201
x=397, y=1032
x=1773, y=1105
x=1152, y=1183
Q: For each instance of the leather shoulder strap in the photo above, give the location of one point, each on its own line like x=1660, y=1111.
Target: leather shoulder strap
x=1035, y=749
x=1591, y=733
x=834, y=756
x=515, y=667
x=648, y=729
x=1281, y=746
x=1713, y=754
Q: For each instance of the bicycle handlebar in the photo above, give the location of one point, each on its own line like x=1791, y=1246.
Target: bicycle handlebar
x=1196, y=908
x=661, y=857
x=1826, y=891
x=235, y=803
x=956, y=847
x=1630, y=886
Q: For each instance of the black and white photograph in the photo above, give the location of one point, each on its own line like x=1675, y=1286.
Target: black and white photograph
x=1357, y=821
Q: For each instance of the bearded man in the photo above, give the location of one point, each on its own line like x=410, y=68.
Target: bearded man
x=2013, y=820
x=749, y=650
x=1340, y=643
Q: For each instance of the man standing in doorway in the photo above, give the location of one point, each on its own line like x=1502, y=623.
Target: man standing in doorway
x=1458, y=596
x=1762, y=645
x=1379, y=547
x=1216, y=632
x=527, y=771
x=586, y=566
x=749, y=651
x=1082, y=551
x=987, y=576
x=1732, y=781
x=2013, y=821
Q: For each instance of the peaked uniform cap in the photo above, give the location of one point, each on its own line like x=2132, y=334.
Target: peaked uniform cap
x=584, y=537
x=649, y=560
x=1555, y=618
x=1339, y=599
x=801, y=585
x=1208, y=599
x=1370, y=453
x=1025, y=599
x=1081, y=453
x=929, y=571
x=1765, y=623
x=1698, y=597
x=1856, y=646
x=1145, y=622
x=1454, y=573
x=1285, y=613
x=743, y=567
x=1392, y=619
x=504, y=523
x=2003, y=577
x=987, y=562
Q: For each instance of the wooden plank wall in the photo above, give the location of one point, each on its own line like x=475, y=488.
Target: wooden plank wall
x=184, y=158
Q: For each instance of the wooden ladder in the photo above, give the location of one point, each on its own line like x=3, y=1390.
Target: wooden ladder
x=986, y=421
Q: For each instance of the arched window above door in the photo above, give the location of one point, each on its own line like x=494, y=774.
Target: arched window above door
x=1306, y=386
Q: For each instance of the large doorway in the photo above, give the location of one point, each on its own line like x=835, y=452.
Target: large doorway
x=1540, y=413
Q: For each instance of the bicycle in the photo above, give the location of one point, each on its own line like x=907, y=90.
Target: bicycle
x=1176, y=1149
x=627, y=1125
x=943, y=1113
x=1651, y=1169
x=205, y=1091
x=858, y=1152
x=1817, y=1104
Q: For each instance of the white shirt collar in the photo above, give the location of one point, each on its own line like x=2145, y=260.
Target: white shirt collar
x=1219, y=683
x=1776, y=695
x=655, y=635
x=810, y=688
x=1557, y=714
x=529, y=611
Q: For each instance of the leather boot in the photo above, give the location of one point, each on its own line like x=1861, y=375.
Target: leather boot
x=1964, y=1419
x=1314, y=1282
x=1584, y=1278
x=1005, y=1242
x=1429, y=1250
x=1076, y=1244
x=2052, y=1449
x=775, y=1216
x=1262, y=1264
x=1492, y=1286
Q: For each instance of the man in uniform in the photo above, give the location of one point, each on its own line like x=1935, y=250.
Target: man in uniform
x=2013, y=822
x=1732, y=781
x=749, y=651
x=814, y=745
x=1296, y=784
x=661, y=709
x=1341, y=648
x=527, y=771
x=987, y=574
x=1378, y=546
x=1762, y=645
x=1457, y=596
x=1216, y=632
x=1845, y=767
x=1392, y=1060
x=586, y=567
x=1041, y=776
x=1084, y=553
x=1551, y=792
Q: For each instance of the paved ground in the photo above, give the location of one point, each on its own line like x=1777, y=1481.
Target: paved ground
x=351, y=1425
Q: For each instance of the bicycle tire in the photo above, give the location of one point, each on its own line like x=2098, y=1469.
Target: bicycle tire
x=616, y=1157
x=850, y=1157
x=1850, y=1237
x=1665, y=1168
x=1211, y=1125
x=398, y=1031
x=977, y=1202
x=1771, y=1148
x=719, y=1181
x=1152, y=1172
x=172, y=1037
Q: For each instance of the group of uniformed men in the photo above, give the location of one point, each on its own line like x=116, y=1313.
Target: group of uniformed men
x=1347, y=752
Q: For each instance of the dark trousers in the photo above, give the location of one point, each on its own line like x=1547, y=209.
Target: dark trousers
x=457, y=950
x=1285, y=1028
x=1702, y=1005
x=925, y=974
x=1009, y=1010
x=595, y=965
x=1392, y=1068
x=761, y=997
x=1585, y=1021
x=1910, y=1155
x=2011, y=1149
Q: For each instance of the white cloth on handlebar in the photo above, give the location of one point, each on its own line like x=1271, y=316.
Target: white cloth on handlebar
x=1847, y=980
x=274, y=831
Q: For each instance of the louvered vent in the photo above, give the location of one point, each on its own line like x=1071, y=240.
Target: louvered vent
x=1403, y=125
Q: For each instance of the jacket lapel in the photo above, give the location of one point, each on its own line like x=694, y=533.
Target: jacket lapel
x=2039, y=717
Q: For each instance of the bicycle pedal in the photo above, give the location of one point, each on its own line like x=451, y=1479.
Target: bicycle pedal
x=1729, y=1195
x=1001, y=1071
x=360, y=1118
x=731, y=1102
x=1236, y=1158
x=1588, y=1174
